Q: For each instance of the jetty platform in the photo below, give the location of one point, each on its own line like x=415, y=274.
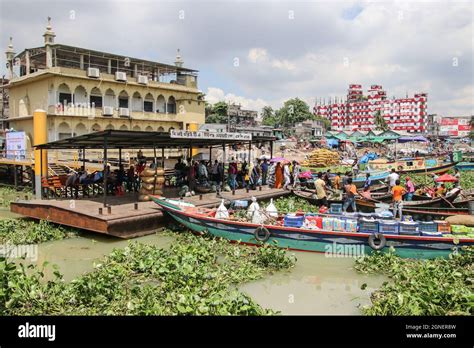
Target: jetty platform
x=123, y=217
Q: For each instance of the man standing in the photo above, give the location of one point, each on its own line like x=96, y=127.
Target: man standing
x=368, y=181
x=321, y=194
x=296, y=173
x=264, y=171
x=392, y=178
x=351, y=192
x=397, y=195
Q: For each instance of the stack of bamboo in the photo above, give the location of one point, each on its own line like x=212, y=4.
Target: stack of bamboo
x=322, y=158
x=152, y=183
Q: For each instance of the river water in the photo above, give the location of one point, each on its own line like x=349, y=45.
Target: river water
x=317, y=285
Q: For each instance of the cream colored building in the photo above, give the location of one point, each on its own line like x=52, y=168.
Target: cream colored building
x=85, y=91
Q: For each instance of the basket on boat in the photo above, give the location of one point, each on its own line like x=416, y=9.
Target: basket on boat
x=409, y=228
x=428, y=226
x=368, y=225
x=388, y=227
x=443, y=226
x=335, y=208
x=293, y=221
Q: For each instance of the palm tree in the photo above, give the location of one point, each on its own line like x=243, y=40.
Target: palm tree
x=380, y=123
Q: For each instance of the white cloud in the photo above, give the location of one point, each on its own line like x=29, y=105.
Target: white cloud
x=215, y=95
x=406, y=46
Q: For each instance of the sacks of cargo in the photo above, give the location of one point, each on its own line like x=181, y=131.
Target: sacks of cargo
x=152, y=183
x=271, y=209
x=322, y=158
x=466, y=220
x=222, y=212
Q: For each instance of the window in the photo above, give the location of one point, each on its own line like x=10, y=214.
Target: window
x=123, y=102
x=65, y=97
x=97, y=100
x=148, y=106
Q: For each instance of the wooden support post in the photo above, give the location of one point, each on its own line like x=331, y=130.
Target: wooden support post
x=250, y=152
x=15, y=179
x=271, y=149
x=105, y=171
x=163, y=158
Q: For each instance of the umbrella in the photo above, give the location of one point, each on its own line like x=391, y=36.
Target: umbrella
x=278, y=159
x=446, y=178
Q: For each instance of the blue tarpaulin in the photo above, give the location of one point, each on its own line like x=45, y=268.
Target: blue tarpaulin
x=332, y=142
x=369, y=157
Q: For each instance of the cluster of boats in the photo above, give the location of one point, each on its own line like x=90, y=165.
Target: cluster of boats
x=362, y=231
x=365, y=230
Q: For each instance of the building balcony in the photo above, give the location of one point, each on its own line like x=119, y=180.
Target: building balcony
x=98, y=112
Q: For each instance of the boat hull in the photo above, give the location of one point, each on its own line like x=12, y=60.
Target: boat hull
x=465, y=166
x=316, y=241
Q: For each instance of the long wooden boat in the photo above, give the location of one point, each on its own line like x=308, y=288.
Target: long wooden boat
x=465, y=166
x=412, y=165
x=434, y=202
x=200, y=220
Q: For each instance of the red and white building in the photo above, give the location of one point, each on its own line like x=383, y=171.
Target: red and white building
x=359, y=111
x=453, y=126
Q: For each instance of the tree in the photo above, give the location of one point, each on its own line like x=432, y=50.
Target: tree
x=216, y=113
x=380, y=123
x=293, y=111
x=268, y=116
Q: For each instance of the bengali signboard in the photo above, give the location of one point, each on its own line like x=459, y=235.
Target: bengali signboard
x=16, y=145
x=210, y=135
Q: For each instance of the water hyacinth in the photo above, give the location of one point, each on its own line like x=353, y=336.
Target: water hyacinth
x=195, y=276
x=422, y=287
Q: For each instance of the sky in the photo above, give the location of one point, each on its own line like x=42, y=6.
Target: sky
x=260, y=53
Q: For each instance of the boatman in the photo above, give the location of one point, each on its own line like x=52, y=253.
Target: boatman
x=392, y=178
x=351, y=193
x=397, y=195
x=321, y=194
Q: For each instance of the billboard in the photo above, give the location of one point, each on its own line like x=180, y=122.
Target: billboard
x=449, y=121
x=16, y=145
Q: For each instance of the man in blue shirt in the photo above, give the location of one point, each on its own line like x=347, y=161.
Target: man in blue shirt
x=264, y=171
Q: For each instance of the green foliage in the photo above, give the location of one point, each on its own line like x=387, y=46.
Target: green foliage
x=293, y=111
x=380, y=123
x=269, y=117
x=21, y=231
x=467, y=179
x=422, y=287
x=216, y=113
x=195, y=276
x=9, y=194
x=292, y=204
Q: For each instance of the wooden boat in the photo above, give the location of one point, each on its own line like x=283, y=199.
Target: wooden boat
x=201, y=220
x=465, y=166
x=309, y=196
x=411, y=165
x=435, y=202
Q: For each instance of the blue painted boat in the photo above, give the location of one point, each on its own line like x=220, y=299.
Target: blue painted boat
x=465, y=166
x=323, y=241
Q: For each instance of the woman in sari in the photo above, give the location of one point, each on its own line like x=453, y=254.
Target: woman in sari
x=278, y=176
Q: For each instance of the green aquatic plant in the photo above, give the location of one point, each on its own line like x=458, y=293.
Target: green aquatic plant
x=422, y=287
x=21, y=231
x=195, y=276
x=10, y=194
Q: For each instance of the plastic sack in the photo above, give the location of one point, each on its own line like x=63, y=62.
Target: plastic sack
x=253, y=206
x=222, y=212
x=271, y=209
x=258, y=217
